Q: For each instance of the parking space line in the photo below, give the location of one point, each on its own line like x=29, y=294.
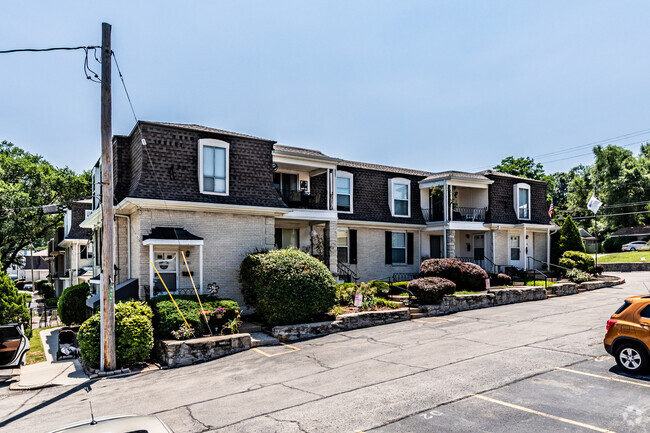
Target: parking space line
x=536, y=412
x=427, y=320
x=293, y=349
x=615, y=379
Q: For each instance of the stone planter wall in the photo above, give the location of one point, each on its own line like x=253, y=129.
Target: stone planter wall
x=625, y=267
x=563, y=289
x=456, y=303
x=342, y=323
x=176, y=353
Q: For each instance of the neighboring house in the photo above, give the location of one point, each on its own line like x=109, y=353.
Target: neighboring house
x=216, y=196
x=70, y=251
x=37, y=262
x=635, y=233
x=591, y=242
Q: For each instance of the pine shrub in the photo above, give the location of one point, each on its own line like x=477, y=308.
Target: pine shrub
x=570, y=239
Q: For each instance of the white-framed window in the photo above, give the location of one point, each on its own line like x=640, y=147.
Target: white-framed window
x=88, y=212
x=398, y=248
x=399, y=197
x=344, y=188
x=515, y=248
x=214, y=166
x=521, y=201
x=343, y=245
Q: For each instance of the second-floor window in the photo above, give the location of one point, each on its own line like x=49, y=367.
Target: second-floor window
x=400, y=197
x=522, y=201
x=344, y=191
x=213, y=166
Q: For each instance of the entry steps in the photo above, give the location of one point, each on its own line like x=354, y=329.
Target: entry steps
x=262, y=339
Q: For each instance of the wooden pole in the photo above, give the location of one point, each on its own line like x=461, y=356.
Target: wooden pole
x=107, y=358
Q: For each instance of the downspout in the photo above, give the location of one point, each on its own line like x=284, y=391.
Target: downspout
x=78, y=254
x=128, y=241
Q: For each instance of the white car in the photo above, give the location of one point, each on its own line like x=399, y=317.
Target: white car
x=13, y=345
x=636, y=246
x=118, y=424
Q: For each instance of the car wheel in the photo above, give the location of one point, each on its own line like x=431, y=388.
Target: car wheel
x=630, y=358
x=632, y=249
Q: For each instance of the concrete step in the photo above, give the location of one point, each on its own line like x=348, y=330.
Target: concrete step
x=250, y=327
x=417, y=315
x=262, y=339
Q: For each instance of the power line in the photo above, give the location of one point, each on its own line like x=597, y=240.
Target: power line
x=40, y=50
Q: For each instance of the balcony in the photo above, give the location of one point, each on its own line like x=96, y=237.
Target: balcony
x=304, y=199
x=436, y=214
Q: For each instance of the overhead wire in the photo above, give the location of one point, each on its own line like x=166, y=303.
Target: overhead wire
x=38, y=50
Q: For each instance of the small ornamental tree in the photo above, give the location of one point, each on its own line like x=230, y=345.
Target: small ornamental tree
x=13, y=308
x=71, y=306
x=570, y=239
x=287, y=286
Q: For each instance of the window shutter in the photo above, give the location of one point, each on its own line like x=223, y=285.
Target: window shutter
x=389, y=248
x=353, y=246
x=278, y=238
x=409, y=248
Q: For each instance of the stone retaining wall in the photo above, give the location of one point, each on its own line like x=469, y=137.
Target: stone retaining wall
x=456, y=303
x=625, y=267
x=176, y=353
x=563, y=289
x=343, y=322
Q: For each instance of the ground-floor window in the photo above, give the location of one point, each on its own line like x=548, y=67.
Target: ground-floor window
x=286, y=238
x=343, y=246
x=398, y=248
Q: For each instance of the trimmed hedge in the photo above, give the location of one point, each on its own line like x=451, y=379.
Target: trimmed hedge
x=431, y=290
x=71, y=306
x=133, y=335
x=500, y=280
x=166, y=318
x=13, y=307
x=467, y=276
x=287, y=286
x=381, y=287
x=577, y=260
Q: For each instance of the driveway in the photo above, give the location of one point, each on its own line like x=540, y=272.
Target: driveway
x=533, y=367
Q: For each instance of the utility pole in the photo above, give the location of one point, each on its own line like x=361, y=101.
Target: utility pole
x=107, y=348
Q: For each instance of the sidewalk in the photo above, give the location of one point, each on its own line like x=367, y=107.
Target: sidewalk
x=67, y=371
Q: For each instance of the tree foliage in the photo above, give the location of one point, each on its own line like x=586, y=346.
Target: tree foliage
x=13, y=307
x=523, y=166
x=28, y=182
x=570, y=239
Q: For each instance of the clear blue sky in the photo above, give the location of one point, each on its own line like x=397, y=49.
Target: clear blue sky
x=433, y=85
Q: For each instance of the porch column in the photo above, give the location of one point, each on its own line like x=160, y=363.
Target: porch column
x=201, y=269
x=329, y=235
x=444, y=243
x=150, y=271
x=445, y=207
x=494, y=251
x=450, y=243
x=548, y=249
x=525, y=250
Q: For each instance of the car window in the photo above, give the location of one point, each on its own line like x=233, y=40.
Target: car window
x=9, y=333
x=623, y=307
x=645, y=313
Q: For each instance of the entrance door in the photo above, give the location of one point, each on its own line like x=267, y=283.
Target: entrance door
x=435, y=247
x=479, y=247
x=516, y=256
x=167, y=264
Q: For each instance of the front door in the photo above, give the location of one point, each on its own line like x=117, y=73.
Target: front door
x=516, y=255
x=435, y=247
x=167, y=264
x=479, y=247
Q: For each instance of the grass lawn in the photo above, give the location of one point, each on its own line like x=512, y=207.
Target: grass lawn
x=36, y=352
x=465, y=292
x=626, y=257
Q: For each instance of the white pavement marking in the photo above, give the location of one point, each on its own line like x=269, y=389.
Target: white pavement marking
x=536, y=412
x=615, y=379
x=294, y=349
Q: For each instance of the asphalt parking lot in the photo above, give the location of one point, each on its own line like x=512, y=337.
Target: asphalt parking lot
x=533, y=367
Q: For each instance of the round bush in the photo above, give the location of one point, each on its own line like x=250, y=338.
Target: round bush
x=577, y=260
x=71, y=306
x=500, y=280
x=287, y=286
x=430, y=290
x=133, y=335
x=467, y=276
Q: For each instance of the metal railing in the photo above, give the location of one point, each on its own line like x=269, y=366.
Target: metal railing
x=343, y=269
x=469, y=213
x=433, y=214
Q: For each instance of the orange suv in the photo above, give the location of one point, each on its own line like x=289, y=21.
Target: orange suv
x=628, y=335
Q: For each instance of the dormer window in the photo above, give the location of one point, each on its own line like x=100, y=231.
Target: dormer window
x=214, y=166
x=399, y=197
x=522, y=201
x=344, y=191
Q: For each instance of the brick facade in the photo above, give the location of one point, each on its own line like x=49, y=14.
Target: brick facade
x=501, y=200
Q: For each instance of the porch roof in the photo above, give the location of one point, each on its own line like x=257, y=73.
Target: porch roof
x=171, y=235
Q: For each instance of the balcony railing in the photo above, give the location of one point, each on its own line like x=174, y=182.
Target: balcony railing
x=303, y=200
x=459, y=214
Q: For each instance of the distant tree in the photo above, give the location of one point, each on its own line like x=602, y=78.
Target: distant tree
x=523, y=166
x=570, y=239
x=28, y=182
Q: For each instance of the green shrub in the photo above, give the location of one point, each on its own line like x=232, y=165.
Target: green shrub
x=47, y=290
x=578, y=276
x=133, y=335
x=287, y=286
x=382, y=287
x=468, y=276
x=614, y=245
x=72, y=304
x=570, y=239
x=500, y=280
x=52, y=302
x=345, y=293
x=430, y=290
x=13, y=308
x=577, y=260
x=381, y=302
x=166, y=318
